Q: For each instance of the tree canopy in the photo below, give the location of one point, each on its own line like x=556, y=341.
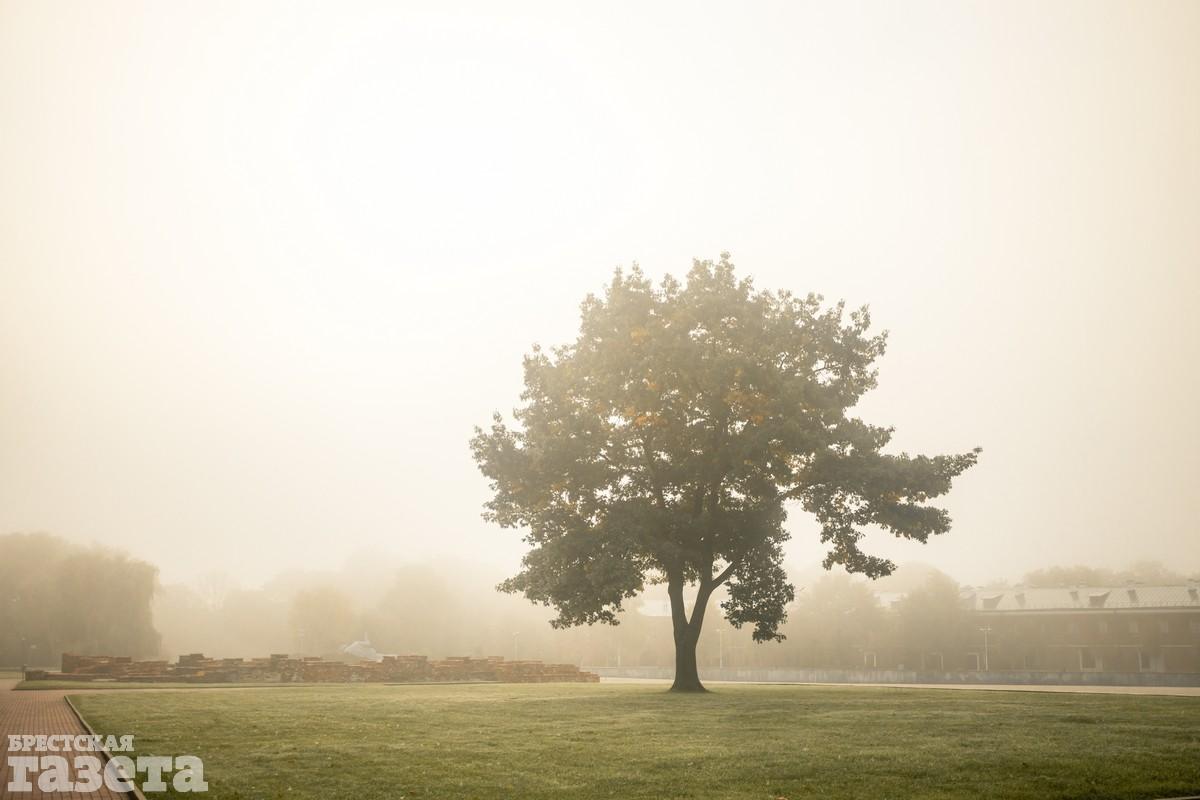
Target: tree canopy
x=1081, y=575
x=666, y=441
x=61, y=597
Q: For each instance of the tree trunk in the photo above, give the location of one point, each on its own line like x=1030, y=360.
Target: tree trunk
x=687, y=676
x=687, y=634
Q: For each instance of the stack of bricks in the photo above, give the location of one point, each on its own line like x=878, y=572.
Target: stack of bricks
x=279, y=668
x=463, y=668
x=537, y=672
x=315, y=670
x=402, y=669
x=100, y=666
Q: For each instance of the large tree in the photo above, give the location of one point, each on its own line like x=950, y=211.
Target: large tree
x=665, y=443
x=58, y=597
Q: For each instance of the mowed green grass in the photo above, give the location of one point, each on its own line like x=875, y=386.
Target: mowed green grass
x=90, y=686
x=558, y=741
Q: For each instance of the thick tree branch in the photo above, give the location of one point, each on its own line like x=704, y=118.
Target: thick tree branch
x=724, y=574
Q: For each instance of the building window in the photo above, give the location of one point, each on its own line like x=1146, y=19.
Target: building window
x=1195, y=627
x=1143, y=661
x=1133, y=626
x=1087, y=659
x=1073, y=629
x=1102, y=626
x=1164, y=626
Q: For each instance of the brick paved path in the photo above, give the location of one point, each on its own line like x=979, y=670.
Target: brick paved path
x=37, y=713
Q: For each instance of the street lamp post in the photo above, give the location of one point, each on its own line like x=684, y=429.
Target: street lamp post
x=721, y=648
x=986, y=631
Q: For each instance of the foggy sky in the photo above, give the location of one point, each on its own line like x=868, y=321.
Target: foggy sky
x=263, y=266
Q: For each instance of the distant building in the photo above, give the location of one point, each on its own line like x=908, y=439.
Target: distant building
x=1129, y=628
x=363, y=649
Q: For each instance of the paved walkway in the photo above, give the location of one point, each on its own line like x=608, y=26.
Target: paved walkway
x=41, y=712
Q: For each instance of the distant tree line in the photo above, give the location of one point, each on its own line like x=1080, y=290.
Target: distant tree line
x=1149, y=572
x=836, y=621
x=842, y=624
x=839, y=622
x=56, y=597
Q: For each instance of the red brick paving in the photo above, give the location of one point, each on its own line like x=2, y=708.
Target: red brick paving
x=41, y=712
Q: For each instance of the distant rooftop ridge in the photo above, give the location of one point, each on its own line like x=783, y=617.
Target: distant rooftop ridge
x=1127, y=596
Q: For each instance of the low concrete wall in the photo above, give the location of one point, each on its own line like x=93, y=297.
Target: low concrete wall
x=911, y=676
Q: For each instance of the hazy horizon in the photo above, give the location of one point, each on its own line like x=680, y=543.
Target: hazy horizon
x=263, y=267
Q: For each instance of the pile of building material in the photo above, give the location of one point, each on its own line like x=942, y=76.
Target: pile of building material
x=280, y=668
x=401, y=669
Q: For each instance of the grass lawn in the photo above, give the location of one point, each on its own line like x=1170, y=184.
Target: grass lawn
x=557, y=741
x=90, y=686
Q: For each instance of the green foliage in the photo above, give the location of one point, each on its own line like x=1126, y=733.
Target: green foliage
x=665, y=441
x=225, y=623
x=933, y=619
x=1150, y=572
x=56, y=597
x=833, y=622
x=322, y=620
